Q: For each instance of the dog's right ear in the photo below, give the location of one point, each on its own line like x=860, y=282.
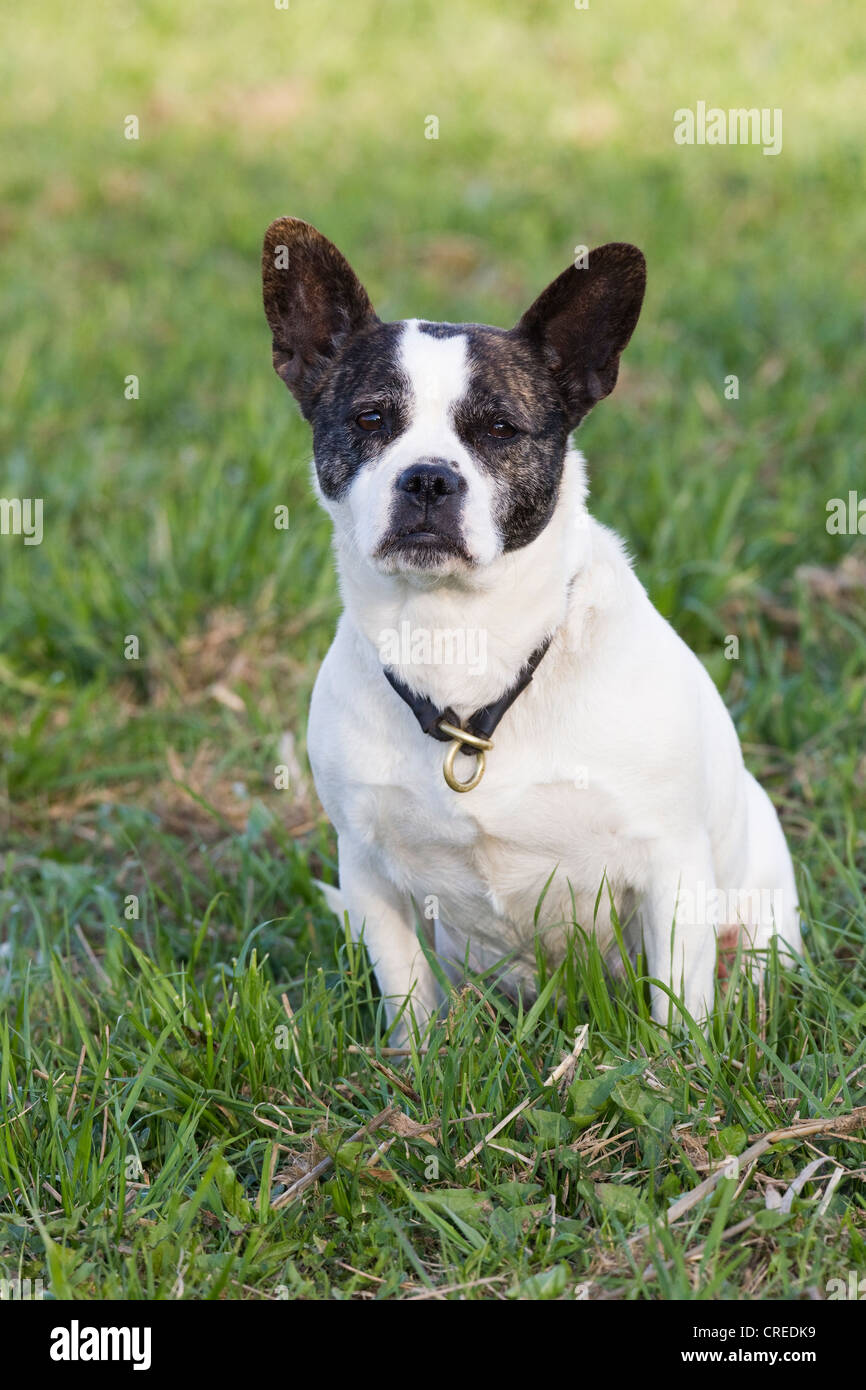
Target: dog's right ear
x=313, y=300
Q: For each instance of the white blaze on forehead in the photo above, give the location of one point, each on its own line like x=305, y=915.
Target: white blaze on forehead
x=438, y=370
x=439, y=373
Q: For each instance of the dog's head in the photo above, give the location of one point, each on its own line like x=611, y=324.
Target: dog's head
x=438, y=446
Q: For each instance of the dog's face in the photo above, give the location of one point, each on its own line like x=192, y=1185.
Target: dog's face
x=439, y=447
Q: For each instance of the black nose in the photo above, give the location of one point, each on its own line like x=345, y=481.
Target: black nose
x=430, y=482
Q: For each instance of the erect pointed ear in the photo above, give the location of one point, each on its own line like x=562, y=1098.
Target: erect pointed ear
x=584, y=319
x=313, y=300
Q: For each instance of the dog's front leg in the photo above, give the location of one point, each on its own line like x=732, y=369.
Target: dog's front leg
x=680, y=931
x=376, y=907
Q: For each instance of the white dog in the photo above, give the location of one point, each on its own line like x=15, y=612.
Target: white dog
x=502, y=709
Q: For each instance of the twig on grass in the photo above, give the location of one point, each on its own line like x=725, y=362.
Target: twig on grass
x=697, y=1250
x=395, y=1051
x=835, y=1126
x=389, y=1116
x=408, y=1091
x=293, y=1027
x=107, y=1098
x=556, y=1075
x=835, y=1179
x=75, y=1083
x=301, y=1184
x=456, y=1288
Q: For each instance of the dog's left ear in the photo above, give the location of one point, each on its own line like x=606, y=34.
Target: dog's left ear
x=313, y=301
x=584, y=319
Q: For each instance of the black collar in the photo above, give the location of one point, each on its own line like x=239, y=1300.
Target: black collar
x=484, y=721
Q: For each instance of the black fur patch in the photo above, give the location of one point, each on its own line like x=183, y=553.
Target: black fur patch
x=444, y=330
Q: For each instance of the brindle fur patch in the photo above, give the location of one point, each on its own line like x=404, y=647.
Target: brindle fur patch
x=509, y=380
x=366, y=375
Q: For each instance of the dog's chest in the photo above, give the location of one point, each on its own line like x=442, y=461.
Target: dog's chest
x=480, y=861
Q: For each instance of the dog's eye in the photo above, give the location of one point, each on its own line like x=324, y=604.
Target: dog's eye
x=500, y=429
x=370, y=421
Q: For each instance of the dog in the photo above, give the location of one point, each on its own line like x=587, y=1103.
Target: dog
x=508, y=738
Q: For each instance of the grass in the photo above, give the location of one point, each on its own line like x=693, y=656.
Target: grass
x=157, y=899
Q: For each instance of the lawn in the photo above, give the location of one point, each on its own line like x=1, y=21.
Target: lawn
x=186, y=1030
